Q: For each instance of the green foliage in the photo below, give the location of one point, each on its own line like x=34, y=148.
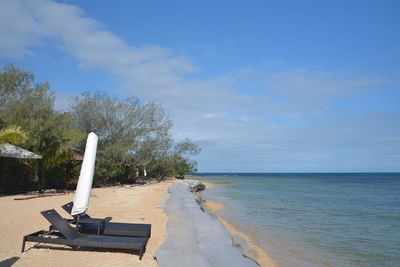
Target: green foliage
x=13, y=135
x=31, y=107
x=132, y=135
x=13, y=82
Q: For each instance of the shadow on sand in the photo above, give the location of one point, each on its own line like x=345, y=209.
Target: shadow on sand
x=9, y=262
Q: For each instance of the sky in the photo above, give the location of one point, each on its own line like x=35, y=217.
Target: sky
x=261, y=86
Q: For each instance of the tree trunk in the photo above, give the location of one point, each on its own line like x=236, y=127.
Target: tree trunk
x=40, y=174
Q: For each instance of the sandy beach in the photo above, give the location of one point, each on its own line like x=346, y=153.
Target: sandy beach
x=123, y=204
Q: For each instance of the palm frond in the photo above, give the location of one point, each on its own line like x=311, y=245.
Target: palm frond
x=13, y=135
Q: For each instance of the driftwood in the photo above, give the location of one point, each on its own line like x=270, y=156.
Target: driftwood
x=41, y=195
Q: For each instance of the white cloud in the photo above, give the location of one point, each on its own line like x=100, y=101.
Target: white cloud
x=17, y=31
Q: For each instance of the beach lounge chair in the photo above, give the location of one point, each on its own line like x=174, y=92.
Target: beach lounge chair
x=87, y=224
x=64, y=234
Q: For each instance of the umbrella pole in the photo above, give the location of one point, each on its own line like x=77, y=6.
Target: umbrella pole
x=77, y=218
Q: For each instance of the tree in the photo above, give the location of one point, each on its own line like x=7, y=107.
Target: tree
x=167, y=159
x=31, y=106
x=122, y=126
x=13, y=82
x=131, y=133
x=181, y=161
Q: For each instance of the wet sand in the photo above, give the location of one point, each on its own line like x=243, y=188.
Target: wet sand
x=252, y=250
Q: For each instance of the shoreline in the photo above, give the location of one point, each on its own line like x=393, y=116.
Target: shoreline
x=241, y=240
x=195, y=237
x=137, y=204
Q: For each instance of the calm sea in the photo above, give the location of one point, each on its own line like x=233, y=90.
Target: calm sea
x=315, y=219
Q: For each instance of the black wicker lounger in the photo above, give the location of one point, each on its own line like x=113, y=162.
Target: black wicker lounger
x=69, y=236
x=88, y=224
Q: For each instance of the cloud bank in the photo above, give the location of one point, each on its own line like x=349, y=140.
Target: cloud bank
x=295, y=119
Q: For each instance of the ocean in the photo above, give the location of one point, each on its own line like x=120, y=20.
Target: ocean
x=330, y=219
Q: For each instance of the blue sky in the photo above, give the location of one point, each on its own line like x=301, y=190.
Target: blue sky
x=261, y=86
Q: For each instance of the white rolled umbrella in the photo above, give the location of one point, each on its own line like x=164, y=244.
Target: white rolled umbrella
x=82, y=193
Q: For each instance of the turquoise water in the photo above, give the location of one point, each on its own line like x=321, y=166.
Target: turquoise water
x=315, y=219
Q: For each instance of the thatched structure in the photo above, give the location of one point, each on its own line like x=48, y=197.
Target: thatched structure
x=12, y=151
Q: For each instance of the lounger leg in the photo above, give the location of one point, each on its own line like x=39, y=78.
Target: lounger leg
x=141, y=254
x=23, y=245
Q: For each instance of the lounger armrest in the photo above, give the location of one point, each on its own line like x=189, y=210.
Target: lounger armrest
x=100, y=223
x=91, y=220
x=94, y=220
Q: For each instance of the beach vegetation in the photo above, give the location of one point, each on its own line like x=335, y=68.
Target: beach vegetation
x=133, y=136
x=13, y=135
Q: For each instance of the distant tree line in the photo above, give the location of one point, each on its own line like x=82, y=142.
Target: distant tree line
x=133, y=136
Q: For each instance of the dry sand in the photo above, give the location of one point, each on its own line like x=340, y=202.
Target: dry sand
x=123, y=204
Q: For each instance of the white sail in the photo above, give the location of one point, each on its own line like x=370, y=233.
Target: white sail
x=82, y=193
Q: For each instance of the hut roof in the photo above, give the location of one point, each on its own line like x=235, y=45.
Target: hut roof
x=11, y=151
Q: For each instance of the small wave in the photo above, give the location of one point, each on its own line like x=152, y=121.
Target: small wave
x=223, y=182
